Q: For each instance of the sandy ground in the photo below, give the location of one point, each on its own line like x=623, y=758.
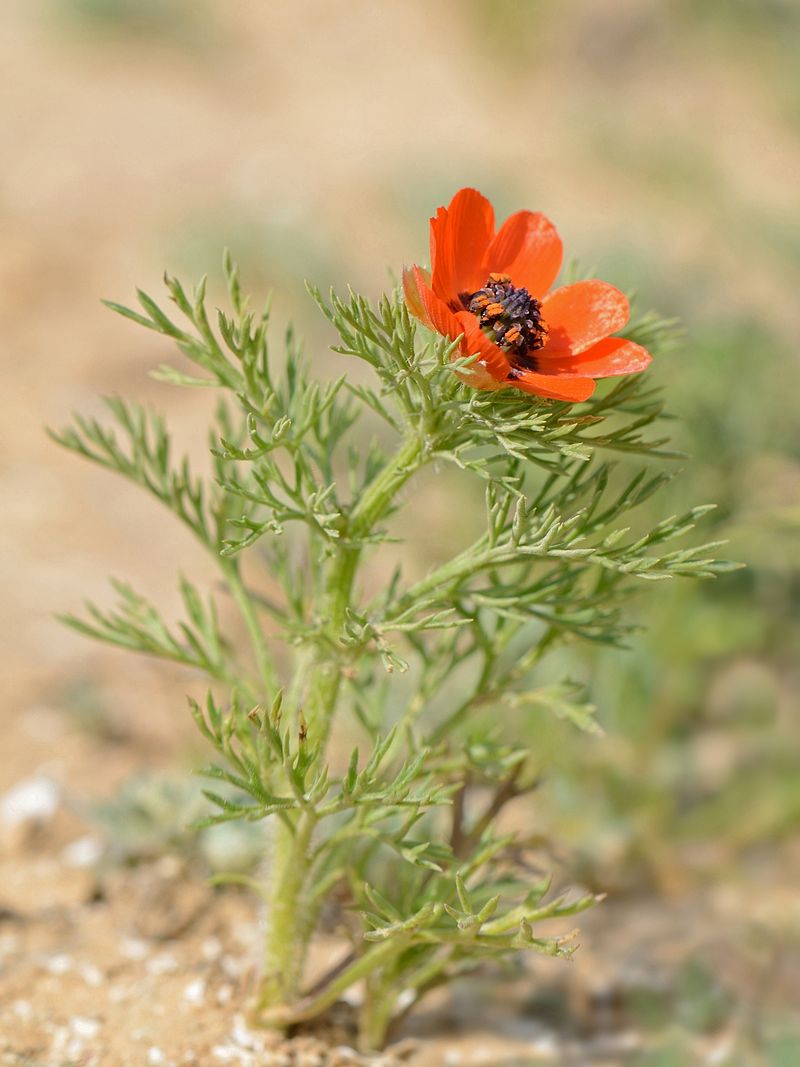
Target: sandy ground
x=102, y=964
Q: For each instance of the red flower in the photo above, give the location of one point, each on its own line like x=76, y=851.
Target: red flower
x=491, y=289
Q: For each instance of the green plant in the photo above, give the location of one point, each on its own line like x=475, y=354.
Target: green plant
x=405, y=832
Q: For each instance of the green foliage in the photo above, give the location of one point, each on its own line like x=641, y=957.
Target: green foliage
x=137, y=625
x=174, y=21
x=406, y=833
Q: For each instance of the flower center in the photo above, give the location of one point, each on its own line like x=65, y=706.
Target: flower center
x=510, y=317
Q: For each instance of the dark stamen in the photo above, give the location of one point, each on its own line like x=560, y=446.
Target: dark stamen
x=510, y=317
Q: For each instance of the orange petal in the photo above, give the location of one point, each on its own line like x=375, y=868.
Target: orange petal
x=475, y=341
x=606, y=359
x=434, y=312
x=412, y=294
x=492, y=366
x=579, y=315
x=437, y=224
x=460, y=235
x=528, y=249
x=553, y=386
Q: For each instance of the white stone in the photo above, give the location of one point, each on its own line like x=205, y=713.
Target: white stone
x=406, y=999
x=84, y=1027
x=195, y=992
x=133, y=948
x=232, y=1054
x=211, y=948
x=58, y=965
x=546, y=1045
x=244, y=1037
x=91, y=975
x=34, y=799
x=163, y=963
x=83, y=852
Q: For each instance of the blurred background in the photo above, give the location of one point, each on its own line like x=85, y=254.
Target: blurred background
x=314, y=139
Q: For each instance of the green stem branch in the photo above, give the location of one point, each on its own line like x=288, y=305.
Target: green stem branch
x=286, y=942
x=321, y=667
x=309, y=1007
x=325, y=675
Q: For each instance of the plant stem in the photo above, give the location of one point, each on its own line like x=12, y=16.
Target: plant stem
x=319, y=674
x=375, y=1016
x=325, y=676
x=307, y=1008
x=285, y=947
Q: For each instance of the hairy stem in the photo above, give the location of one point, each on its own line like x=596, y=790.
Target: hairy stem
x=315, y=693
x=375, y=1015
x=285, y=942
x=324, y=670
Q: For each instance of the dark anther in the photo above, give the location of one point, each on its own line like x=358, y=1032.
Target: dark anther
x=510, y=317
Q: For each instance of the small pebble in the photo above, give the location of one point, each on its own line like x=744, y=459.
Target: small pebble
x=163, y=963
x=406, y=999
x=32, y=800
x=133, y=948
x=169, y=867
x=232, y=967
x=545, y=1045
x=91, y=975
x=231, y=1054
x=195, y=992
x=58, y=965
x=84, y=1027
x=245, y=1037
x=211, y=949
x=83, y=852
